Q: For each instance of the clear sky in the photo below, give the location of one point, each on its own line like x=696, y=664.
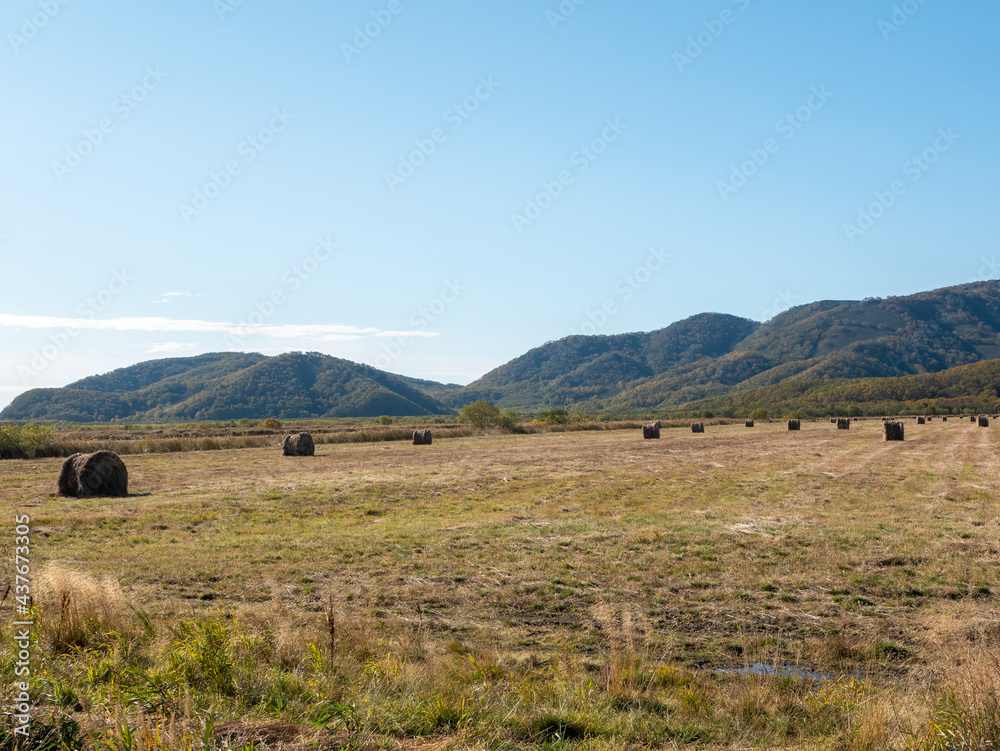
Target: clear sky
x=436, y=187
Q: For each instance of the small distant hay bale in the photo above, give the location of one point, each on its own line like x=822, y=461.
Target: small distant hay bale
x=422, y=438
x=921, y=421
x=972, y=418
x=929, y=419
x=892, y=430
x=794, y=424
x=833, y=420
x=749, y=423
x=944, y=419
x=697, y=427
x=984, y=422
x=299, y=444
x=843, y=424
x=101, y=474
x=650, y=431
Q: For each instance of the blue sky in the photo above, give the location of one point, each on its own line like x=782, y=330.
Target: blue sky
x=435, y=188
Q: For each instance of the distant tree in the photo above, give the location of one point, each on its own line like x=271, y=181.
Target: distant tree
x=272, y=424
x=385, y=420
x=557, y=416
x=509, y=420
x=480, y=414
x=759, y=414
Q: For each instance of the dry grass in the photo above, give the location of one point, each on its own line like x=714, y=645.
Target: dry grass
x=554, y=588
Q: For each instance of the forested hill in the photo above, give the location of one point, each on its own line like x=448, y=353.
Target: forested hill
x=228, y=386
x=710, y=358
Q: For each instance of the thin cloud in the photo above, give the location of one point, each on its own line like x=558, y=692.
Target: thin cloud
x=159, y=324
x=169, y=347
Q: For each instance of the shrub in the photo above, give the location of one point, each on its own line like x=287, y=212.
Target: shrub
x=385, y=420
x=509, y=420
x=24, y=441
x=557, y=416
x=480, y=414
x=271, y=424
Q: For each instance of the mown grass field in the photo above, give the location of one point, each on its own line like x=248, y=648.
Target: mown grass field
x=570, y=590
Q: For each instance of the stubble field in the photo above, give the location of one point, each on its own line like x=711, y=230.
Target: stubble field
x=745, y=588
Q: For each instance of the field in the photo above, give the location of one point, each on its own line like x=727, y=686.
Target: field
x=745, y=588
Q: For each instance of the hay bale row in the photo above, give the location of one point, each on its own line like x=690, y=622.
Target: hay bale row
x=650, y=431
x=100, y=474
x=697, y=427
x=299, y=444
x=843, y=424
x=892, y=430
x=422, y=437
x=794, y=425
x=749, y=423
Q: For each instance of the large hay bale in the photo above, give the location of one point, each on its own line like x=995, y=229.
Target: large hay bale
x=650, y=431
x=892, y=430
x=984, y=422
x=749, y=423
x=96, y=475
x=843, y=424
x=422, y=437
x=794, y=425
x=299, y=444
x=921, y=421
x=697, y=427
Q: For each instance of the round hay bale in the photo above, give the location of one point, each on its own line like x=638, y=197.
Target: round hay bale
x=944, y=419
x=299, y=444
x=97, y=475
x=650, y=431
x=843, y=423
x=749, y=423
x=422, y=438
x=697, y=427
x=833, y=420
x=921, y=421
x=972, y=418
x=984, y=422
x=892, y=430
x=794, y=425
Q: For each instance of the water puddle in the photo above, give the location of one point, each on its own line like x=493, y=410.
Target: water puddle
x=780, y=671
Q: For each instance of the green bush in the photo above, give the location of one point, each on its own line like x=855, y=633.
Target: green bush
x=24, y=441
x=480, y=414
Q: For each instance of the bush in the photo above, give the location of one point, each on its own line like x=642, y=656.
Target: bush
x=480, y=414
x=557, y=416
x=759, y=414
x=24, y=441
x=385, y=420
x=509, y=420
x=271, y=424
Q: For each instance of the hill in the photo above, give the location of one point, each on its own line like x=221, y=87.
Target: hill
x=711, y=355
x=227, y=386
